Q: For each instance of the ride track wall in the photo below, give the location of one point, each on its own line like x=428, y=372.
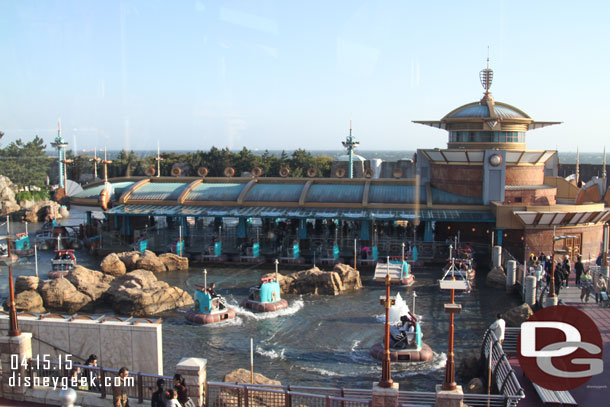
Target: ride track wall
x=132, y=342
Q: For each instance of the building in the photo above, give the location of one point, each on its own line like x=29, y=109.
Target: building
x=485, y=183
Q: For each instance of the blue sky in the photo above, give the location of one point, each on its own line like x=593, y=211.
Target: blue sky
x=287, y=74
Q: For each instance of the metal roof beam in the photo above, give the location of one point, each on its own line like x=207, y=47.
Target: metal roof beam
x=244, y=192
x=129, y=191
x=305, y=191
x=187, y=191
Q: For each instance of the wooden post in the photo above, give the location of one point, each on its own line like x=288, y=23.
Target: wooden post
x=450, y=366
x=355, y=254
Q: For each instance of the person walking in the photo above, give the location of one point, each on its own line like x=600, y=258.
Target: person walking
x=159, y=398
x=578, y=269
x=498, y=327
x=180, y=387
x=119, y=389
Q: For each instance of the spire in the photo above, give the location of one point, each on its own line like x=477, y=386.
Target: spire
x=486, y=76
x=350, y=143
x=577, y=166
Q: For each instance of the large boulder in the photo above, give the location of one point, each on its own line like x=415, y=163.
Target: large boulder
x=150, y=261
x=174, y=262
x=470, y=365
x=26, y=283
x=312, y=281
x=130, y=259
x=29, y=301
x=61, y=295
x=43, y=211
x=112, y=264
x=139, y=293
x=258, y=399
x=496, y=278
x=517, y=315
x=243, y=376
x=350, y=277
x=90, y=282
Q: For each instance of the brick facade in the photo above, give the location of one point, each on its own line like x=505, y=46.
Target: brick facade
x=538, y=196
x=520, y=175
x=458, y=179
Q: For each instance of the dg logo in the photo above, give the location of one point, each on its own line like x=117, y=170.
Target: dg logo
x=560, y=348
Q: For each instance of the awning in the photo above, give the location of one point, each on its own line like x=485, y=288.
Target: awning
x=302, y=213
x=563, y=218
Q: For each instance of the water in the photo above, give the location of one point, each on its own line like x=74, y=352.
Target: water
x=318, y=340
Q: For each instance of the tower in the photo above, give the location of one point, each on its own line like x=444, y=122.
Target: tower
x=350, y=143
x=60, y=144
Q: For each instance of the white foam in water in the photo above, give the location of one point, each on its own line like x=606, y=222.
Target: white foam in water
x=397, y=310
x=355, y=345
x=319, y=370
x=437, y=362
x=271, y=354
x=290, y=310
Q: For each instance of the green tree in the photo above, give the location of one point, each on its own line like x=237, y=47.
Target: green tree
x=26, y=164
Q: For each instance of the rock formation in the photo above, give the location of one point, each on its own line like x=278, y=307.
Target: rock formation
x=29, y=301
x=136, y=293
x=139, y=293
x=113, y=265
x=61, y=295
x=119, y=263
x=496, y=278
x=243, y=376
x=515, y=316
x=7, y=196
x=174, y=262
x=229, y=398
x=43, y=211
x=318, y=282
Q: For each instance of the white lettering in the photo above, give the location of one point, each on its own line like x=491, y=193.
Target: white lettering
x=528, y=339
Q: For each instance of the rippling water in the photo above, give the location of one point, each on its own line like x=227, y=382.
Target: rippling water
x=325, y=340
x=317, y=340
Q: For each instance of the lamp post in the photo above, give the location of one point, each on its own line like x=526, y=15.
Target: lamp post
x=387, y=302
x=452, y=308
x=276, y=262
x=13, y=329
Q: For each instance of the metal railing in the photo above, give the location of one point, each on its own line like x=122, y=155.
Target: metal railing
x=245, y=395
x=503, y=377
x=92, y=379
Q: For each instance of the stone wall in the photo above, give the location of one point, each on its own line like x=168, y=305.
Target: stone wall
x=542, y=240
x=116, y=342
x=538, y=196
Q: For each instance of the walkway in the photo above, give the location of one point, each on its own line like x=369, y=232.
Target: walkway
x=595, y=392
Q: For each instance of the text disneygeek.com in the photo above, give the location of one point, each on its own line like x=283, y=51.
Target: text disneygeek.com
x=66, y=382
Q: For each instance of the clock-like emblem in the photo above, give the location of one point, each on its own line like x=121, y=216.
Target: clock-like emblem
x=495, y=160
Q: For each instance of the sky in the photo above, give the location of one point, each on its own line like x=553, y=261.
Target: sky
x=285, y=74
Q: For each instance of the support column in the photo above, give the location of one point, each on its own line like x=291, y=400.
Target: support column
x=496, y=256
x=449, y=398
x=499, y=236
x=385, y=396
x=530, y=290
x=428, y=234
x=14, y=349
x=194, y=372
x=511, y=275
x=302, y=228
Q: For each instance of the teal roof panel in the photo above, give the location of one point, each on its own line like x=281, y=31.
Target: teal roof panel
x=396, y=194
x=216, y=192
x=158, y=191
x=335, y=193
x=275, y=193
x=94, y=191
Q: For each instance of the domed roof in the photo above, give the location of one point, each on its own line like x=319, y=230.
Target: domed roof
x=482, y=110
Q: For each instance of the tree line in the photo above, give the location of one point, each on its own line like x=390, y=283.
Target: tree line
x=28, y=165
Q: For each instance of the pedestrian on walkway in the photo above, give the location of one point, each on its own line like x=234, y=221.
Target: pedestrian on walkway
x=498, y=327
x=578, y=269
x=586, y=283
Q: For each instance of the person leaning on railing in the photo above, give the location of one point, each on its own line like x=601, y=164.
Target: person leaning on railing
x=93, y=378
